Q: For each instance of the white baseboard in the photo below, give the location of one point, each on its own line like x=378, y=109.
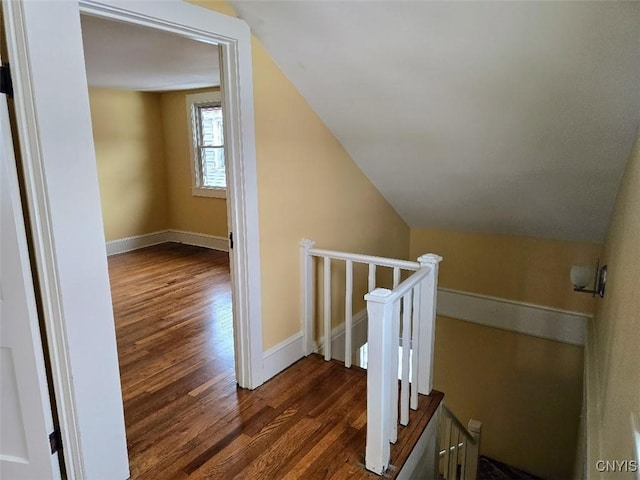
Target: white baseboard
x=281, y=356
x=286, y=353
x=128, y=244
x=199, y=240
x=358, y=336
x=535, y=320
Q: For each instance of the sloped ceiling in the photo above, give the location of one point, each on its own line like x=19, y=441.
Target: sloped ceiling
x=509, y=117
x=130, y=57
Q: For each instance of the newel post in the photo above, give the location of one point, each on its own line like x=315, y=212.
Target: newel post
x=307, y=297
x=427, y=328
x=379, y=311
x=473, y=450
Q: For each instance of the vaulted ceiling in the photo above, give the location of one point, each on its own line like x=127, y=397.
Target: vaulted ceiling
x=509, y=117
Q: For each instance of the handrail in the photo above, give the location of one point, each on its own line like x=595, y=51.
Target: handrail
x=458, y=424
x=360, y=258
x=308, y=252
x=401, y=290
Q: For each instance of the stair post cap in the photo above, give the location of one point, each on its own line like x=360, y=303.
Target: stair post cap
x=474, y=426
x=306, y=243
x=430, y=258
x=379, y=295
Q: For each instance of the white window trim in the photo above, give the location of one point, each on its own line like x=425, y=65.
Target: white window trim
x=211, y=192
x=193, y=99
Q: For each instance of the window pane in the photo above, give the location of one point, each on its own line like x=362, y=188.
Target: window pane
x=213, y=167
x=211, y=126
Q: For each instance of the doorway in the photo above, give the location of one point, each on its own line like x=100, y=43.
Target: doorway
x=158, y=127
x=63, y=202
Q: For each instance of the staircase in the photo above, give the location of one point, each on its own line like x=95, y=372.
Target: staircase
x=489, y=469
x=459, y=447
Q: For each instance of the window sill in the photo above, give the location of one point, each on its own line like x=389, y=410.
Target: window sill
x=209, y=192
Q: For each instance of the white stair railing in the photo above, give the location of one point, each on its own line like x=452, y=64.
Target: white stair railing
x=308, y=288
x=459, y=447
x=410, y=305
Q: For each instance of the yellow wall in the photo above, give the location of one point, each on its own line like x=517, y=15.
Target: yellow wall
x=525, y=269
x=186, y=212
x=614, y=350
x=527, y=391
x=144, y=165
x=130, y=157
x=308, y=187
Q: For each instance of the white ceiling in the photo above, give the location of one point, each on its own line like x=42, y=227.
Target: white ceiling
x=511, y=117
x=130, y=57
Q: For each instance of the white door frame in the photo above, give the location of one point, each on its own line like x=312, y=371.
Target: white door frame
x=25, y=397
x=47, y=76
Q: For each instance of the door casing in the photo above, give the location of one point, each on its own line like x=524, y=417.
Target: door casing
x=60, y=177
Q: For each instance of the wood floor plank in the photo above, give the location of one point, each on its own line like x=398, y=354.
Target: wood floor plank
x=185, y=416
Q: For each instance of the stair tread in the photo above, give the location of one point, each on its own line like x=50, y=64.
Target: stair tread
x=490, y=469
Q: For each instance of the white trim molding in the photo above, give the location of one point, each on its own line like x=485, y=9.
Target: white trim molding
x=192, y=101
x=199, y=240
x=529, y=319
x=358, y=338
x=281, y=356
x=127, y=244
x=135, y=242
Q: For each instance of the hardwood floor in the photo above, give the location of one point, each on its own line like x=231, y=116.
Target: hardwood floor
x=185, y=416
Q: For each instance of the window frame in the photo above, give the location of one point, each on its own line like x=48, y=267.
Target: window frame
x=193, y=101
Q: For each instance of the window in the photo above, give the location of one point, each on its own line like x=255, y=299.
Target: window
x=207, y=145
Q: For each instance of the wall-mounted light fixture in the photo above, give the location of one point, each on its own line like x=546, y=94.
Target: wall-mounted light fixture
x=582, y=276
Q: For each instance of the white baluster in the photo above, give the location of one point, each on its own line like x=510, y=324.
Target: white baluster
x=348, y=313
x=428, y=298
x=327, y=308
x=446, y=435
x=406, y=352
x=393, y=413
x=473, y=450
x=372, y=277
x=308, y=295
x=415, y=346
x=453, y=438
x=396, y=277
x=380, y=341
x=463, y=462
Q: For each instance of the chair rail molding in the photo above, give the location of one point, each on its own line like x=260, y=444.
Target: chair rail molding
x=529, y=319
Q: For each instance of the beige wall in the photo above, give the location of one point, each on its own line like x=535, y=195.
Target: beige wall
x=525, y=269
x=186, y=212
x=130, y=156
x=144, y=165
x=614, y=350
x=527, y=391
x=308, y=187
